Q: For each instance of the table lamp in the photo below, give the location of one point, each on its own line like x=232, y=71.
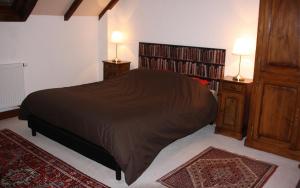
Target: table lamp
x=241, y=48
x=117, y=38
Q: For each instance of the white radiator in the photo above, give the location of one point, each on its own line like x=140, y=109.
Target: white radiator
x=12, y=89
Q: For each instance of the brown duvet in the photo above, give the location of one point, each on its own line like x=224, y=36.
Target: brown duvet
x=133, y=116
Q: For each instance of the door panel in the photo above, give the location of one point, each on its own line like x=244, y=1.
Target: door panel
x=277, y=111
x=282, y=37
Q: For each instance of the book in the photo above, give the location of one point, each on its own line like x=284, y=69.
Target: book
x=205, y=63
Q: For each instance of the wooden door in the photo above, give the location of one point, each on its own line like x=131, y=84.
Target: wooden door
x=276, y=113
x=231, y=111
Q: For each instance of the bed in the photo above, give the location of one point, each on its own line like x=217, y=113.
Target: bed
x=122, y=123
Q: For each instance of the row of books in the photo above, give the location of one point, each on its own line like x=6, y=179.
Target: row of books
x=203, y=70
x=206, y=63
x=214, y=85
x=210, y=72
x=208, y=55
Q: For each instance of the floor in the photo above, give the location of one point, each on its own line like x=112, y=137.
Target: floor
x=286, y=175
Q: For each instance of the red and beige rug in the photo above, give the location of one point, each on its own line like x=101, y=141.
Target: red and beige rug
x=22, y=164
x=216, y=168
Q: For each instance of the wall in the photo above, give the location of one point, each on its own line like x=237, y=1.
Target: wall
x=206, y=23
x=60, y=53
x=102, y=43
x=57, y=53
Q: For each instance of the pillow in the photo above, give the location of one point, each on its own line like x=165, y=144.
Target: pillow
x=201, y=81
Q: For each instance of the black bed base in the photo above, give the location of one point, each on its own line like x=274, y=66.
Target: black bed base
x=75, y=143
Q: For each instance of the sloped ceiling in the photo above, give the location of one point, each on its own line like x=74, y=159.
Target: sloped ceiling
x=60, y=7
x=19, y=10
x=91, y=7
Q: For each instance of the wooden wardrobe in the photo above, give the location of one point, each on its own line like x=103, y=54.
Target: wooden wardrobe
x=274, y=124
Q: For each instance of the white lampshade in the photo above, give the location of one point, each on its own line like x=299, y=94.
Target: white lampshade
x=117, y=37
x=242, y=46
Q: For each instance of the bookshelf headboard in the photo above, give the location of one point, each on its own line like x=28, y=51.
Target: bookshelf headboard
x=204, y=63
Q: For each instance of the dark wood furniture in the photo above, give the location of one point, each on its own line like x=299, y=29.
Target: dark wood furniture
x=74, y=142
x=16, y=10
x=204, y=63
x=233, y=105
x=274, y=124
x=112, y=69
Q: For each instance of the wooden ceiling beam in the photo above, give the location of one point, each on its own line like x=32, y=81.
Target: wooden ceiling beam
x=109, y=6
x=27, y=9
x=72, y=9
x=18, y=11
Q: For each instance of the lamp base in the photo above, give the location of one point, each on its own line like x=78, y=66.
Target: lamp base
x=238, y=78
x=116, y=60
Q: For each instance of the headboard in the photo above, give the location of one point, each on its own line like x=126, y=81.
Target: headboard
x=204, y=63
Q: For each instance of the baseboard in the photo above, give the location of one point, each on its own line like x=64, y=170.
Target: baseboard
x=9, y=114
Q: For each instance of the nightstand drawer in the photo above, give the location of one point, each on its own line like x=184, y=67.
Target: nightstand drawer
x=233, y=87
x=110, y=69
x=109, y=66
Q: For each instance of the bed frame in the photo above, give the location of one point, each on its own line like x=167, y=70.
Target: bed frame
x=75, y=143
x=166, y=56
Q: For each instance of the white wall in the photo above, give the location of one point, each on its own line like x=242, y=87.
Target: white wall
x=102, y=43
x=206, y=23
x=57, y=53
x=60, y=53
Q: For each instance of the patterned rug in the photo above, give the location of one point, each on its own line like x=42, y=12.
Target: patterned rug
x=216, y=168
x=22, y=164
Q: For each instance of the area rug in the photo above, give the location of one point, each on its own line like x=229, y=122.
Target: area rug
x=216, y=168
x=22, y=164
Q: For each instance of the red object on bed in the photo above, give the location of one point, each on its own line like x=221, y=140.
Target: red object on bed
x=201, y=81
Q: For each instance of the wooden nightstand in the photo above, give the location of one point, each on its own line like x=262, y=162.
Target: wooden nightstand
x=112, y=69
x=233, y=107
